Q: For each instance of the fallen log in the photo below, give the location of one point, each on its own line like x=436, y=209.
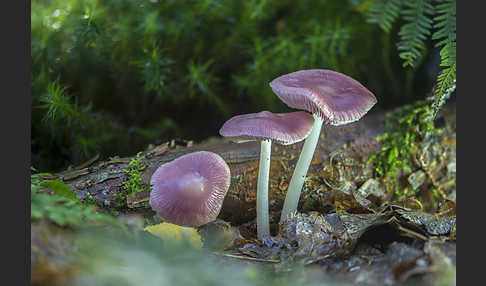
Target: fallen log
x=339, y=167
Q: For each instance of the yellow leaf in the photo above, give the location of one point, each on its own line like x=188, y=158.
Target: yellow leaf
x=176, y=233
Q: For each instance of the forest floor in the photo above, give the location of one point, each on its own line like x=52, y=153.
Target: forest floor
x=351, y=229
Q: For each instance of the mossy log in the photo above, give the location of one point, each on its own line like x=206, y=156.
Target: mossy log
x=339, y=167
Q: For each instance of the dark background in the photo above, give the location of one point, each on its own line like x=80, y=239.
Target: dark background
x=110, y=77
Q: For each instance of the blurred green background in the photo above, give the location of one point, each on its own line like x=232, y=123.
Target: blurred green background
x=110, y=77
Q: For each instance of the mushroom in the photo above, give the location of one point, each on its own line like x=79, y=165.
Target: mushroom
x=283, y=128
x=331, y=97
x=189, y=191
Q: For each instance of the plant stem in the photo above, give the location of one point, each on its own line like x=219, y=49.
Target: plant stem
x=300, y=171
x=263, y=225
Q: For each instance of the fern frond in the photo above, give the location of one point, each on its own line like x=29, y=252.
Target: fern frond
x=417, y=29
x=446, y=36
x=446, y=81
x=384, y=13
x=445, y=23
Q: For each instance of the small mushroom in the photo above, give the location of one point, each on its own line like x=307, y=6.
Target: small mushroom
x=331, y=97
x=189, y=191
x=283, y=128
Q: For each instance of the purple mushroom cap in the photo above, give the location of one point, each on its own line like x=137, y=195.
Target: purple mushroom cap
x=333, y=96
x=283, y=128
x=189, y=191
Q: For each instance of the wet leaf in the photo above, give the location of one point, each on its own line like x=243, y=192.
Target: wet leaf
x=308, y=238
x=432, y=224
x=219, y=235
x=176, y=233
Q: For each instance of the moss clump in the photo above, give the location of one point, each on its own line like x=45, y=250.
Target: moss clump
x=405, y=129
x=133, y=184
x=53, y=200
x=134, y=170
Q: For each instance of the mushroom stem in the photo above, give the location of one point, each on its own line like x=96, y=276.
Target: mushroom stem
x=300, y=171
x=263, y=225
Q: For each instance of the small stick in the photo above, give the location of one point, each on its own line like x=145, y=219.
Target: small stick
x=89, y=162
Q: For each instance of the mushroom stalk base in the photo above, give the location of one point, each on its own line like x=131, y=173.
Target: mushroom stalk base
x=300, y=171
x=263, y=224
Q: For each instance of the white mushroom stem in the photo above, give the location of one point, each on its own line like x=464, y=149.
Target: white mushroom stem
x=301, y=168
x=263, y=225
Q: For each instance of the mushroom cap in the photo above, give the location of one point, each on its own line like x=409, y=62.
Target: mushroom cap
x=283, y=128
x=335, y=97
x=189, y=191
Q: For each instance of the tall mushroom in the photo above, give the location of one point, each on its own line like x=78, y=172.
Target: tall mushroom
x=331, y=97
x=189, y=191
x=283, y=128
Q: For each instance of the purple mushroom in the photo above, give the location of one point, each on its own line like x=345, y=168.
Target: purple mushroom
x=189, y=191
x=284, y=128
x=331, y=97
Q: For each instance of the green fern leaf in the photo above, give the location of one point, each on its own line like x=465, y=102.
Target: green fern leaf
x=384, y=13
x=445, y=23
x=417, y=29
x=446, y=81
x=446, y=37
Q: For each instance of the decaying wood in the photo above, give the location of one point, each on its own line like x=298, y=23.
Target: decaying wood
x=339, y=167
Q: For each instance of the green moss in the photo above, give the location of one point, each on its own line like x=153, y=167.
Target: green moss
x=120, y=200
x=53, y=200
x=436, y=193
x=133, y=184
x=134, y=170
x=405, y=130
x=90, y=200
x=110, y=77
